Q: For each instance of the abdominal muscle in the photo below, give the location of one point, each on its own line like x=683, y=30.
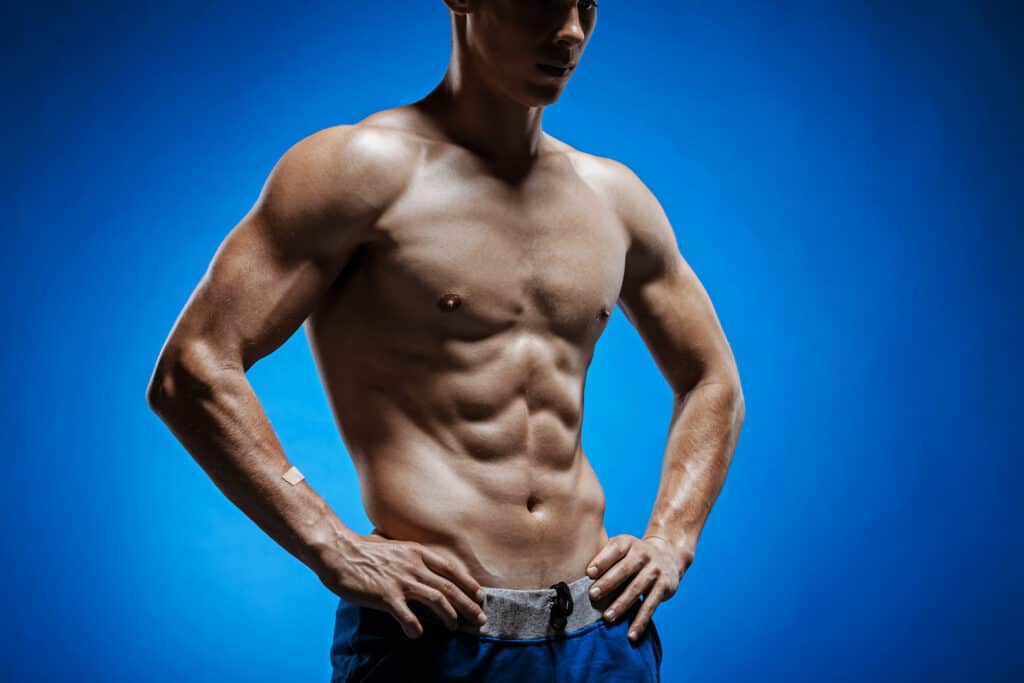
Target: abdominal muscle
x=514, y=523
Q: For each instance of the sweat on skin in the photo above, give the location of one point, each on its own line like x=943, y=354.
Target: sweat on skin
x=453, y=266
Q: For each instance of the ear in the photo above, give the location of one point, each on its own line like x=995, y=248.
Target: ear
x=462, y=7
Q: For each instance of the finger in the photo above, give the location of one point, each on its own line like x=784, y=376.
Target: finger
x=462, y=602
x=641, y=583
x=436, y=601
x=643, y=616
x=405, y=618
x=455, y=571
x=611, y=553
x=620, y=572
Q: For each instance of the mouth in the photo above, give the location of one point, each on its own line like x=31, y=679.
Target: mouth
x=557, y=71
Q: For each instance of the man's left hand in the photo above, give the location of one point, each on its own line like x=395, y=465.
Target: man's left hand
x=651, y=568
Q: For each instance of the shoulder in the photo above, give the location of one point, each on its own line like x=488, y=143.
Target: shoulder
x=612, y=180
x=628, y=197
x=343, y=168
x=653, y=249
x=633, y=201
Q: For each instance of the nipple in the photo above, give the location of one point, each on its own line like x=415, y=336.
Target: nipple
x=604, y=313
x=449, y=302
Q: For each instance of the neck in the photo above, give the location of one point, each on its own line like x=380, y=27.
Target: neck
x=477, y=116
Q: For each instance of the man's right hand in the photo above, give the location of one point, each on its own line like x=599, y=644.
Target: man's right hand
x=384, y=574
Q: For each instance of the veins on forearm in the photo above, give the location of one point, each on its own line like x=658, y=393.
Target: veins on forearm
x=702, y=438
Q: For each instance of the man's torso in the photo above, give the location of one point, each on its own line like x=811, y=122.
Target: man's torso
x=454, y=349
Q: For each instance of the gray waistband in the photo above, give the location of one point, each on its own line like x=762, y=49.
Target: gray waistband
x=527, y=613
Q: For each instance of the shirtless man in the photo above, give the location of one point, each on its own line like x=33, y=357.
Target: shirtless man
x=454, y=267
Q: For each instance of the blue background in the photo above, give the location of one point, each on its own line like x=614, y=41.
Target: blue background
x=844, y=178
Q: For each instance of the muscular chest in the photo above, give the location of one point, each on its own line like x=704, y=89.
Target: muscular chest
x=470, y=256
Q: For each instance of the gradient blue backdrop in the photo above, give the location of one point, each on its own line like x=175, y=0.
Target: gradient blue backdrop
x=844, y=178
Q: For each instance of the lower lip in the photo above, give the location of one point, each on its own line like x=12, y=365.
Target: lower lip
x=554, y=72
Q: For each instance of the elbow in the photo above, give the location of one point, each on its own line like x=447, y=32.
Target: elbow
x=165, y=387
x=169, y=381
x=185, y=373
x=733, y=401
x=728, y=394
x=161, y=383
x=734, y=392
x=156, y=390
x=740, y=408
x=729, y=378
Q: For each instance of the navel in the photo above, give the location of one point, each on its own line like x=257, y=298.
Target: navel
x=449, y=302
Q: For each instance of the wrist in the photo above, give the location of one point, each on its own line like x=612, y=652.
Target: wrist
x=324, y=547
x=681, y=547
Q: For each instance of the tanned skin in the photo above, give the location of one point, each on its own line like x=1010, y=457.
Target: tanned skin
x=454, y=266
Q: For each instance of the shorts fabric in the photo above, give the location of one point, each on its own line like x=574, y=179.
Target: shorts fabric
x=548, y=634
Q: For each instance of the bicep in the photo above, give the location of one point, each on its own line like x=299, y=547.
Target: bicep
x=254, y=294
x=665, y=300
x=275, y=265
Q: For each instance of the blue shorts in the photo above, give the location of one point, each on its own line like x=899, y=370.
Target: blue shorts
x=548, y=634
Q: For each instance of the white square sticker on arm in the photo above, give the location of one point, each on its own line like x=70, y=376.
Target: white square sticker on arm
x=293, y=476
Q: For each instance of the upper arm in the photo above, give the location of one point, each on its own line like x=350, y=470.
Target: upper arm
x=318, y=205
x=663, y=298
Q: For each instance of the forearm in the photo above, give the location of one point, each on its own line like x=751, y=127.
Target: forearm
x=702, y=438
x=217, y=417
